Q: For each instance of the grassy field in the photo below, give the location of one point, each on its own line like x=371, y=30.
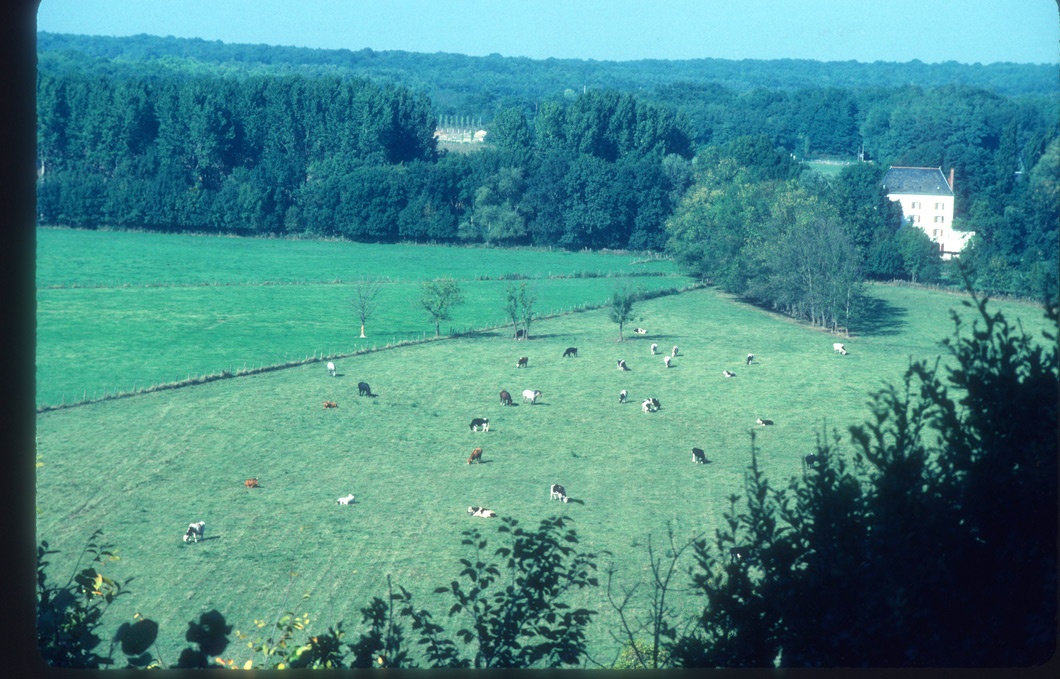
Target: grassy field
x=142, y=468
x=121, y=311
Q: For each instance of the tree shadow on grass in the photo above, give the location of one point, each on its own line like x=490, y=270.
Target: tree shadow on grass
x=880, y=318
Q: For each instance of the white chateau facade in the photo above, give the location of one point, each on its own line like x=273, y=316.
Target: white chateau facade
x=926, y=196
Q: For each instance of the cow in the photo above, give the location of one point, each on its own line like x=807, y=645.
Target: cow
x=654, y=348
x=482, y=511
x=571, y=351
x=520, y=334
x=195, y=531
x=476, y=456
x=622, y=365
x=764, y=423
x=673, y=352
x=531, y=396
x=750, y=359
x=622, y=396
x=698, y=456
x=650, y=405
x=521, y=363
x=347, y=500
x=331, y=368
x=838, y=347
x=811, y=461
x=666, y=361
x=640, y=331
x=252, y=483
x=506, y=398
x=728, y=373
x=330, y=404
x=363, y=389
x=557, y=492
x=655, y=403
x=480, y=422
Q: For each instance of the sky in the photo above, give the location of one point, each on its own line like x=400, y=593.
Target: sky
x=933, y=31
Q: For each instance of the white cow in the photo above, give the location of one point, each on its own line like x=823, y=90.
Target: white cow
x=348, y=500
x=195, y=531
x=530, y=395
x=838, y=346
x=482, y=512
x=673, y=352
x=654, y=348
x=666, y=360
x=331, y=368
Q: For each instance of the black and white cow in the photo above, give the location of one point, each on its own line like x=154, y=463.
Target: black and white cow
x=750, y=359
x=557, y=492
x=698, y=456
x=478, y=422
x=195, y=531
x=363, y=389
x=640, y=331
x=728, y=373
x=482, y=511
x=522, y=362
x=764, y=423
x=571, y=351
x=622, y=365
x=622, y=396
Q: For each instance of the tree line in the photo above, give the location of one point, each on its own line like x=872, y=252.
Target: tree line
x=927, y=539
x=183, y=145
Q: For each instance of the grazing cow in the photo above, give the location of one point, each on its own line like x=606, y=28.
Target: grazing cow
x=195, y=531
x=728, y=373
x=482, y=511
x=666, y=361
x=331, y=368
x=811, y=461
x=506, y=398
x=348, y=500
x=520, y=334
x=622, y=396
x=698, y=456
x=622, y=365
x=480, y=422
x=521, y=363
x=739, y=554
x=838, y=346
x=571, y=351
x=252, y=483
x=363, y=389
x=650, y=405
x=531, y=396
x=654, y=348
x=750, y=359
x=330, y=404
x=476, y=456
x=640, y=331
x=557, y=492
x=764, y=423
x=673, y=352
x=655, y=403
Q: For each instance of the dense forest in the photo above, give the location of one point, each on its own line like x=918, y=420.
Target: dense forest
x=700, y=159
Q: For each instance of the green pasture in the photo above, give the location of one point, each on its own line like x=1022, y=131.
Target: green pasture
x=142, y=468
x=121, y=311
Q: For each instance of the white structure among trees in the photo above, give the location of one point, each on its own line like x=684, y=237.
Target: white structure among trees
x=926, y=196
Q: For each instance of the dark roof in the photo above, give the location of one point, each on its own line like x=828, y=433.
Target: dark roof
x=919, y=180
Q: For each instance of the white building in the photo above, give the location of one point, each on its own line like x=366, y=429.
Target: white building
x=926, y=197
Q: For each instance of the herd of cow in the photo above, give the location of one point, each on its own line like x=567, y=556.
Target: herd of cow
x=195, y=530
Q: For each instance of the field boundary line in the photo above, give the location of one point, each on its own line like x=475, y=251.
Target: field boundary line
x=243, y=372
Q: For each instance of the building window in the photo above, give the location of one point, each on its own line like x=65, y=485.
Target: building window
x=937, y=233
x=940, y=206
x=939, y=219
x=915, y=205
x=916, y=219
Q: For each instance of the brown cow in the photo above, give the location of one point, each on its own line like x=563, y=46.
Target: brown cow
x=330, y=404
x=252, y=483
x=506, y=398
x=476, y=456
x=521, y=363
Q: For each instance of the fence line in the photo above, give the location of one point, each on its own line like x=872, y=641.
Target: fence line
x=393, y=344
